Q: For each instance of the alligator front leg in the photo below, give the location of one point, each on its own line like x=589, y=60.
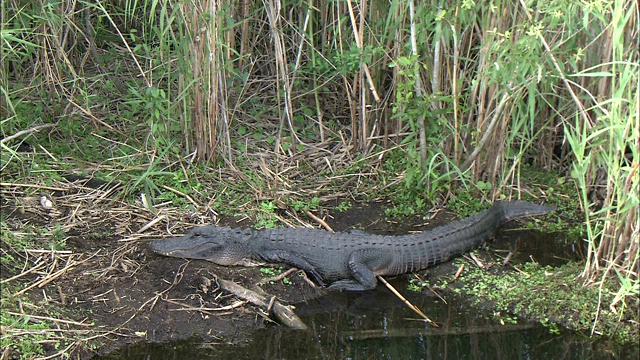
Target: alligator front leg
x=281, y=256
x=361, y=264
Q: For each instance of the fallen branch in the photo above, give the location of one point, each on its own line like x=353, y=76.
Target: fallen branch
x=207, y=310
x=282, y=313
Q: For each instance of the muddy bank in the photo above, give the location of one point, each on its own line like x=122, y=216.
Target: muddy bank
x=120, y=293
x=116, y=292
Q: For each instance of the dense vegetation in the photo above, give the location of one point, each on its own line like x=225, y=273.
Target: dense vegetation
x=323, y=99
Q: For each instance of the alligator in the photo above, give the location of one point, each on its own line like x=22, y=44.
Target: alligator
x=348, y=260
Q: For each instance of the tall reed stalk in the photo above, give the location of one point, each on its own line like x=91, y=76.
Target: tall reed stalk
x=607, y=153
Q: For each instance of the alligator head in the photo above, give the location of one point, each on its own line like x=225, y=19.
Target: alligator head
x=224, y=246
x=513, y=209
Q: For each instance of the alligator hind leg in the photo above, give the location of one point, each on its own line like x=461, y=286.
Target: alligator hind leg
x=361, y=265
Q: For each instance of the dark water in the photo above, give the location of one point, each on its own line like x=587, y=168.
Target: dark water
x=376, y=325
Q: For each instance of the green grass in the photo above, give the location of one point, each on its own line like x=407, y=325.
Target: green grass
x=549, y=295
x=28, y=343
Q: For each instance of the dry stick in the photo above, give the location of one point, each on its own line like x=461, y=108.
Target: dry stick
x=454, y=89
x=438, y=295
x=46, y=318
x=58, y=273
x=278, y=277
x=356, y=34
x=34, y=186
x=7, y=349
x=460, y=269
x=37, y=267
x=431, y=289
x=418, y=84
x=520, y=271
x=185, y=307
x=489, y=131
x=60, y=353
x=409, y=304
x=47, y=279
x=320, y=221
x=508, y=258
x=27, y=131
x=63, y=299
x=48, y=153
x=151, y=223
x=477, y=261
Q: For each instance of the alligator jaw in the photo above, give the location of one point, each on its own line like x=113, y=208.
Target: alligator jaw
x=201, y=245
x=520, y=208
x=185, y=246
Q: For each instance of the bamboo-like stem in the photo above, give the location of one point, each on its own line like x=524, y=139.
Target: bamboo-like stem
x=273, y=14
x=488, y=132
x=418, y=84
x=454, y=92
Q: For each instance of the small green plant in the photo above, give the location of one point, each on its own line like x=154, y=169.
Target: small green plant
x=29, y=343
x=268, y=271
x=544, y=293
x=407, y=201
x=313, y=204
x=416, y=285
x=265, y=218
x=273, y=272
x=344, y=206
x=58, y=237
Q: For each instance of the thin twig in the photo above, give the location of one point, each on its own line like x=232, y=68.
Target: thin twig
x=185, y=307
x=46, y=318
x=477, y=261
x=37, y=267
x=181, y=194
x=407, y=302
x=317, y=219
x=36, y=186
x=460, y=269
x=26, y=131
